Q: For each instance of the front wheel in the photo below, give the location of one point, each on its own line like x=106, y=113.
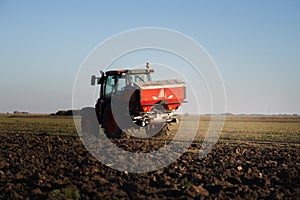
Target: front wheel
x=89, y=122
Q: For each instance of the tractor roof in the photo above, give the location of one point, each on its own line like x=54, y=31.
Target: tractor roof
x=116, y=72
x=131, y=71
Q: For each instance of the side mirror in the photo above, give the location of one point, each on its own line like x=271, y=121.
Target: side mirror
x=93, y=80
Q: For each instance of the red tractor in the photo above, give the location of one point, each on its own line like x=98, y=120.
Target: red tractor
x=130, y=98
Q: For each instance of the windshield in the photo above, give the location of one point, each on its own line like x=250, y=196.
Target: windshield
x=114, y=83
x=117, y=83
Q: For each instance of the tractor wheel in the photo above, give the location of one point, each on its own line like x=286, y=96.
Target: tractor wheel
x=166, y=130
x=158, y=129
x=111, y=128
x=89, y=122
x=155, y=129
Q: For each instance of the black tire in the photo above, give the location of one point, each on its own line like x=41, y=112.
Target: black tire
x=156, y=129
x=89, y=122
x=111, y=128
x=166, y=130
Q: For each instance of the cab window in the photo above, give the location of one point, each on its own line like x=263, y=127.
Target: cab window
x=114, y=83
x=110, y=84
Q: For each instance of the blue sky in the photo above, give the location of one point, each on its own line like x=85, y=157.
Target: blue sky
x=255, y=44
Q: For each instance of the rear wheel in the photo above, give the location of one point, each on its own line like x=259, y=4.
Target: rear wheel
x=89, y=122
x=166, y=130
x=111, y=128
x=158, y=127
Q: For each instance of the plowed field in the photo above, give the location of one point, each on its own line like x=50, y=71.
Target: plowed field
x=42, y=157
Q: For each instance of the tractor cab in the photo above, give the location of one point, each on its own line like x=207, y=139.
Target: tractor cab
x=117, y=81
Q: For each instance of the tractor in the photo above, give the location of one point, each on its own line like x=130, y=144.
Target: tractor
x=131, y=99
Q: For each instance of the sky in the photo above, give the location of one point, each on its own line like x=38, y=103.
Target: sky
x=255, y=45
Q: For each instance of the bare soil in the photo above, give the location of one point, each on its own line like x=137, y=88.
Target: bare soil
x=45, y=166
